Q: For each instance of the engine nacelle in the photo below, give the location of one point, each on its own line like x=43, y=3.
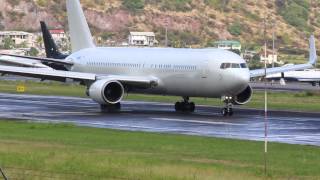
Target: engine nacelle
x=244, y=97
x=106, y=91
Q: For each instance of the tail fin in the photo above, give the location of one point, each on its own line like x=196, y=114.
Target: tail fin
x=313, y=52
x=80, y=34
x=52, y=50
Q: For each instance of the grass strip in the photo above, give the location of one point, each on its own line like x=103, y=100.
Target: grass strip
x=64, y=151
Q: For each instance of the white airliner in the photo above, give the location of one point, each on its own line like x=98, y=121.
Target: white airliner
x=109, y=73
x=311, y=76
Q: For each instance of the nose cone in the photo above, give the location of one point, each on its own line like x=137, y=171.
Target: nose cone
x=243, y=78
x=238, y=81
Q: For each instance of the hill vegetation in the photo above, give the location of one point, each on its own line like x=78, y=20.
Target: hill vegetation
x=194, y=23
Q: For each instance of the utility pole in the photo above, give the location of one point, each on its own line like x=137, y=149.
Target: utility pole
x=265, y=99
x=273, y=41
x=166, y=41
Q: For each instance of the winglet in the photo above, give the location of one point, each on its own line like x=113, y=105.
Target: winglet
x=313, y=52
x=80, y=34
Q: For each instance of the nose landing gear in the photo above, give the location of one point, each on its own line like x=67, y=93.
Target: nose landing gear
x=227, y=110
x=185, y=105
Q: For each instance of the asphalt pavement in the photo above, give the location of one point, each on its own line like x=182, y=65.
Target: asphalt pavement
x=285, y=127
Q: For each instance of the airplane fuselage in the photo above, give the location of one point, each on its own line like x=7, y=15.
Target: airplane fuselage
x=181, y=72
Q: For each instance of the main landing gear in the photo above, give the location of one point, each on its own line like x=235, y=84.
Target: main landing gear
x=185, y=105
x=107, y=108
x=227, y=110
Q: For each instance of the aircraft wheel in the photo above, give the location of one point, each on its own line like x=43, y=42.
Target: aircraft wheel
x=230, y=113
x=107, y=108
x=192, y=107
x=178, y=106
x=224, y=112
x=227, y=112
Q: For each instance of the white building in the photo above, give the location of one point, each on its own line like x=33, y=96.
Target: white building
x=58, y=34
x=18, y=37
x=270, y=58
x=142, y=39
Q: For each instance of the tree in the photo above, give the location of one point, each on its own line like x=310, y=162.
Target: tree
x=39, y=41
x=8, y=43
x=33, y=52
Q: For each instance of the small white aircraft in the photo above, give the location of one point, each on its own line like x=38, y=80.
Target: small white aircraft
x=311, y=76
x=110, y=72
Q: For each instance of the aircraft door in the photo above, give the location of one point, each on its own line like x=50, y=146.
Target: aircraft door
x=205, y=69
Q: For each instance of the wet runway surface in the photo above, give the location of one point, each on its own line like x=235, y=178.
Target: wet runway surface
x=287, y=127
x=290, y=86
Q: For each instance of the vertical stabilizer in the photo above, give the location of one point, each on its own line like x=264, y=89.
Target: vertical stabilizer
x=313, y=52
x=80, y=35
x=52, y=50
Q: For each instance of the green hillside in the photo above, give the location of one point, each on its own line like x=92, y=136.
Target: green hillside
x=193, y=23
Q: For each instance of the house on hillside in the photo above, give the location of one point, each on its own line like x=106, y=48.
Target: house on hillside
x=228, y=45
x=58, y=34
x=18, y=38
x=270, y=58
x=142, y=39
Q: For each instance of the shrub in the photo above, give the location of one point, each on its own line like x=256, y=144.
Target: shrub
x=235, y=29
x=176, y=5
x=133, y=5
x=295, y=12
x=8, y=43
x=33, y=52
x=182, y=38
x=42, y=3
x=218, y=4
x=13, y=2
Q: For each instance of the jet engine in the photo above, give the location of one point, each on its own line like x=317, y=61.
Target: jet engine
x=244, y=97
x=106, y=91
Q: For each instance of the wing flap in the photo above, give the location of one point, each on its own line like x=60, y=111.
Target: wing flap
x=47, y=60
x=46, y=73
x=16, y=61
x=50, y=74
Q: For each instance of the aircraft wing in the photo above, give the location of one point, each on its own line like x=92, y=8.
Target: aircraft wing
x=262, y=72
x=16, y=61
x=57, y=75
x=312, y=61
x=46, y=60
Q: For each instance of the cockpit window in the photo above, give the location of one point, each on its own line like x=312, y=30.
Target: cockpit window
x=233, y=65
x=225, y=65
x=230, y=65
x=243, y=65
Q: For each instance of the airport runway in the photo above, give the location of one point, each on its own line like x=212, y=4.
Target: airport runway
x=286, y=127
x=290, y=86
